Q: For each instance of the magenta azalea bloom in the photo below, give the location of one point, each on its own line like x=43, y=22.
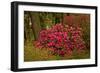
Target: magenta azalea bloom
x=61, y=40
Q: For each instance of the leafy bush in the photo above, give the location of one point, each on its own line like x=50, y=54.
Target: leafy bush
x=61, y=40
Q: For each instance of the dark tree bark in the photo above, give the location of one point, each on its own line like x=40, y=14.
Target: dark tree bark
x=35, y=24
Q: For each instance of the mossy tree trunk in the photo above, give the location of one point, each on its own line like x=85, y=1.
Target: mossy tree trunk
x=35, y=20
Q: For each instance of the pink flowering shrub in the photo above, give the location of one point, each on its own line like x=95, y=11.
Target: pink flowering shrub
x=61, y=40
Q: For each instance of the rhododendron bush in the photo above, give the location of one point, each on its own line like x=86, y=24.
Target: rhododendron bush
x=61, y=40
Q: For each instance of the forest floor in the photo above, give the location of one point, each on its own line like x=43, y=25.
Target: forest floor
x=35, y=54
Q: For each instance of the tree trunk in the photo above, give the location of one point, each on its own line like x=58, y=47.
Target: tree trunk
x=35, y=24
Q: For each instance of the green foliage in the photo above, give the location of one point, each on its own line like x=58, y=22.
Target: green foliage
x=32, y=53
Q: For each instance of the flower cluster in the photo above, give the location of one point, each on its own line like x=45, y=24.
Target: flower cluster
x=61, y=40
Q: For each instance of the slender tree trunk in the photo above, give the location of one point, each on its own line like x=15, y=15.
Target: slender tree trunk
x=35, y=24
